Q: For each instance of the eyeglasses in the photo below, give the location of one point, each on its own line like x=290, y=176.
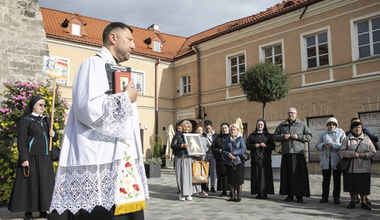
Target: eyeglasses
x=292, y=113
x=331, y=124
x=42, y=105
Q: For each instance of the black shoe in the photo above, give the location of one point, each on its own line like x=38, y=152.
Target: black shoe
x=299, y=199
x=259, y=196
x=206, y=189
x=28, y=216
x=232, y=199
x=365, y=206
x=324, y=200
x=289, y=199
x=368, y=201
x=357, y=201
x=43, y=214
x=336, y=201
x=265, y=196
x=213, y=189
x=237, y=199
x=224, y=193
x=351, y=205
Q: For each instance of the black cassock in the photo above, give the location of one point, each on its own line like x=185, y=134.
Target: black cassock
x=33, y=193
x=261, y=163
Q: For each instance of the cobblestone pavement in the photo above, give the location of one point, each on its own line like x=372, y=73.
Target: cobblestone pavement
x=164, y=204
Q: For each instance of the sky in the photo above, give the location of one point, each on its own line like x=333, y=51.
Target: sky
x=177, y=17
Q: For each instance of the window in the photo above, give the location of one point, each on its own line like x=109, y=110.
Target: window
x=273, y=54
x=368, y=37
x=75, y=29
x=138, y=79
x=236, y=68
x=185, y=85
x=157, y=46
x=317, y=52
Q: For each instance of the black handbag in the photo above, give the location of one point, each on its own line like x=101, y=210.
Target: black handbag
x=344, y=163
x=245, y=156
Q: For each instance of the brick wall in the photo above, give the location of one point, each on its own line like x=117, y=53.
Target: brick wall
x=22, y=41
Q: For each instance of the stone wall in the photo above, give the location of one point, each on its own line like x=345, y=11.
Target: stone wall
x=22, y=41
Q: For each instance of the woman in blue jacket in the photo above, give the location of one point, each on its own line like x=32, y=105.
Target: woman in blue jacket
x=329, y=144
x=232, y=148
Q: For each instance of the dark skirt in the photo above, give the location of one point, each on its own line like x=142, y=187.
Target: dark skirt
x=261, y=179
x=359, y=183
x=235, y=176
x=294, y=176
x=98, y=213
x=33, y=193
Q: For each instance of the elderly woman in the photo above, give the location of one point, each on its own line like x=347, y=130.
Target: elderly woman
x=183, y=164
x=232, y=148
x=360, y=148
x=261, y=144
x=216, y=147
x=329, y=143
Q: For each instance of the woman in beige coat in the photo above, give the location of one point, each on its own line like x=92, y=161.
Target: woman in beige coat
x=357, y=179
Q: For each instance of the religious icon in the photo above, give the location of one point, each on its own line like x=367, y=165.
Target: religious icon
x=195, y=144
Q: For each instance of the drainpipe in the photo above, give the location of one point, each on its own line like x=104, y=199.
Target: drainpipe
x=156, y=96
x=199, y=80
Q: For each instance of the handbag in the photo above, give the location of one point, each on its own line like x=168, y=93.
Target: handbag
x=55, y=153
x=345, y=163
x=244, y=157
x=200, y=171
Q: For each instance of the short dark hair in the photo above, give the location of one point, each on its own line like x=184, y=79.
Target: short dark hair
x=208, y=122
x=355, y=124
x=112, y=26
x=354, y=119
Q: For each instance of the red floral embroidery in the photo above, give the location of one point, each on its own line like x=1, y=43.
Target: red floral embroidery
x=122, y=190
x=136, y=187
x=128, y=165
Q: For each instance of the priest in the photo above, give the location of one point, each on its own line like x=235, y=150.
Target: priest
x=101, y=173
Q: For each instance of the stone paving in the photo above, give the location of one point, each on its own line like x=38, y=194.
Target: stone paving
x=164, y=204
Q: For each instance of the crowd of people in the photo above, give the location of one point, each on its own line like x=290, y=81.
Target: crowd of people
x=226, y=167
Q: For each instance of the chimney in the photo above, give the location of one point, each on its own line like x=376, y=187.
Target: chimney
x=154, y=27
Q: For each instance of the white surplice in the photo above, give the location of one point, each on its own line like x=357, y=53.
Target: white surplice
x=99, y=129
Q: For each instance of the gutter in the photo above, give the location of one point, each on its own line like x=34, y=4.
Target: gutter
x=199, y=77
x=156, y=96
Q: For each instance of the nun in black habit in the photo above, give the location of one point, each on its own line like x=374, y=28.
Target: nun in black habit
x=261, y=144
x=33, y=186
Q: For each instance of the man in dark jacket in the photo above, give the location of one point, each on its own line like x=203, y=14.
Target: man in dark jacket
x=210, y=135
x=293, y=134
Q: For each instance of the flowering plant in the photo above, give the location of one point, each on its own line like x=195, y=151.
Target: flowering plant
x=15, y=98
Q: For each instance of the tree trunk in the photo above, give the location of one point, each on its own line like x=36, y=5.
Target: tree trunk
x=264, y=103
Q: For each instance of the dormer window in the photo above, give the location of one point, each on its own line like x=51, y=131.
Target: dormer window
x=75, y=29
x=157, y=46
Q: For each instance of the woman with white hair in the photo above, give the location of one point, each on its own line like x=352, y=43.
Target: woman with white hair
x=183, y=164
x=232, y=148
x=329, y=143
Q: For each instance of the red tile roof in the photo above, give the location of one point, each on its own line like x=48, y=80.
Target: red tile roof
x=174, y=47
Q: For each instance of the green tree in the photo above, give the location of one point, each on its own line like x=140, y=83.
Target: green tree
x=15, y=98
x=265, y=82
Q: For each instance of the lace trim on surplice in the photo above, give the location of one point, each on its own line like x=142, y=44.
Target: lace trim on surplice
x=84, y=187
x=116, y=122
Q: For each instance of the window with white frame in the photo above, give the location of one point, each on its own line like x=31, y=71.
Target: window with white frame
x=138, y=80
x=273, y=54
x=75, y=29
x=185, y=85
x=157, y=46
x=317, y=52
x=368, y=37
x=236, y=69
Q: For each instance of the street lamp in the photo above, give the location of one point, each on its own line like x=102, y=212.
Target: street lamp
x=199, y=118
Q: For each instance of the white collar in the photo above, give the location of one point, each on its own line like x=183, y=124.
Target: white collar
x=37, y=115
x=107, y=56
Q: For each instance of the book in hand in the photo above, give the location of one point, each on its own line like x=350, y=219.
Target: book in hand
x=118, y=78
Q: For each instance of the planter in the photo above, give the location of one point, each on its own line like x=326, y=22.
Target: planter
x=153, y=170
x=276, y=165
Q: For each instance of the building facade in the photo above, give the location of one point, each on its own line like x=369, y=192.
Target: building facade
x=329, y=48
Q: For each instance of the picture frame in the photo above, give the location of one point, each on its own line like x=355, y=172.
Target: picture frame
x=195, y=145
x=121, y=80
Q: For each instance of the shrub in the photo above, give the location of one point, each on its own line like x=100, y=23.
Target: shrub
x=16, y=97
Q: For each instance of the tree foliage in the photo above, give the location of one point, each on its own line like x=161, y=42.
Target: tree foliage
x=265, y=82
x=16, y=96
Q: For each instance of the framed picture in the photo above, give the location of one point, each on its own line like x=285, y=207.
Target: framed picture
x=121, y=80
x=195, y=145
